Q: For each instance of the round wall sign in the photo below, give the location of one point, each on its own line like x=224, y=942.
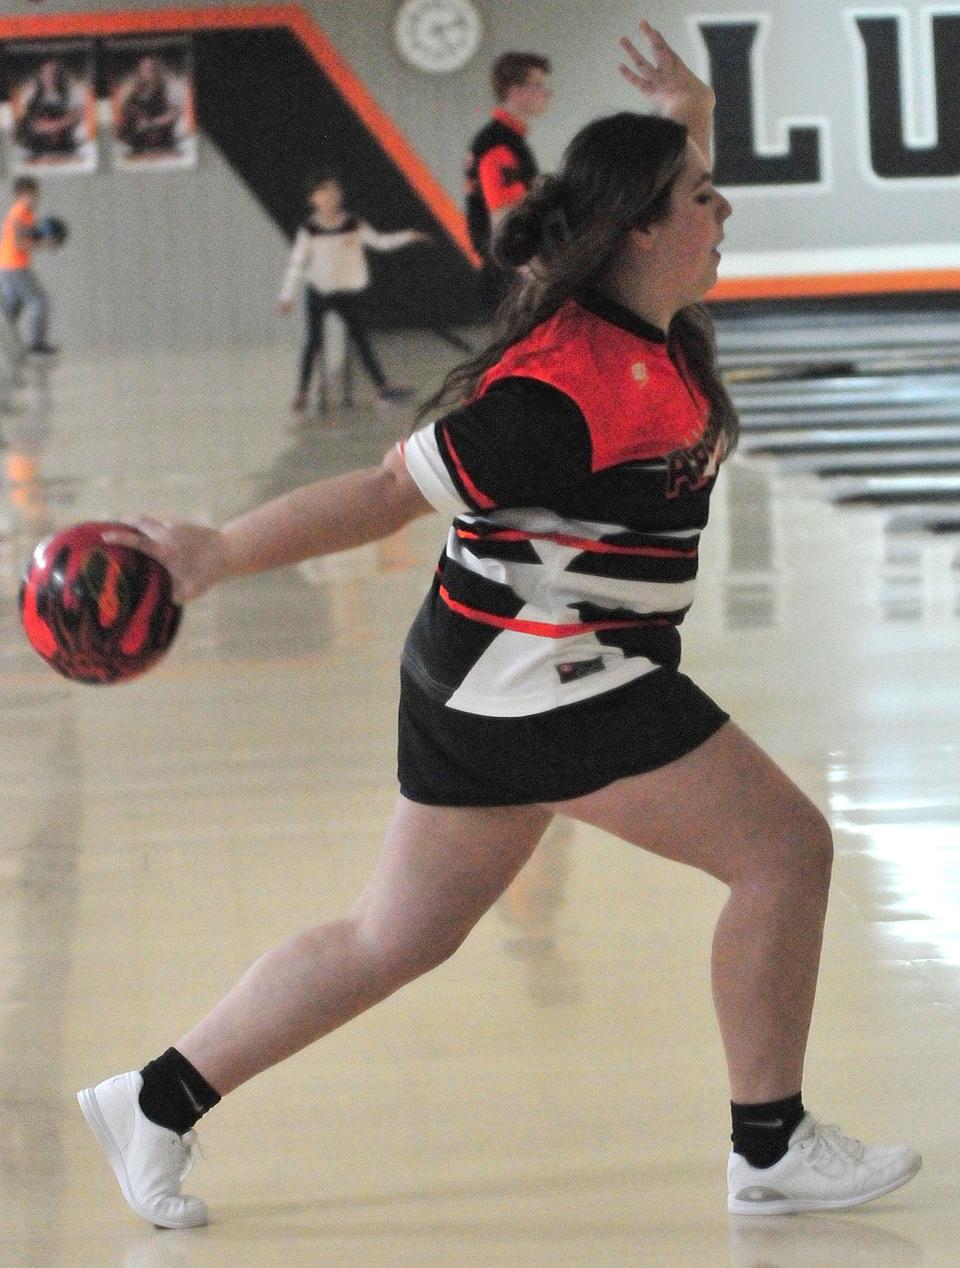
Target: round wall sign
x=437, y=35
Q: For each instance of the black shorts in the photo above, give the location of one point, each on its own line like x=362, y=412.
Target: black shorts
x=451, y=758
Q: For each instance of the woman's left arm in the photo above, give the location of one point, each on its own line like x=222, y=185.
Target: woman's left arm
x=670, y=86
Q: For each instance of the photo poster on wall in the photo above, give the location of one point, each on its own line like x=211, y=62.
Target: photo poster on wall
x=150, y=85
x=49, y=118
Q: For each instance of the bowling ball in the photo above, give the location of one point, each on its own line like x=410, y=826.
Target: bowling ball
x=54, y=229
x=97, y=612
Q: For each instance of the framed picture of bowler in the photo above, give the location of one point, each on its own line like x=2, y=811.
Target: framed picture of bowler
x=51, y=109
x=151, y=90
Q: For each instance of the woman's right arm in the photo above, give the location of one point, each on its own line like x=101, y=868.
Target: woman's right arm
x=316, y=519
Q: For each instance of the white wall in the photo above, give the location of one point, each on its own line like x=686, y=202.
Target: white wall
x=162, y=259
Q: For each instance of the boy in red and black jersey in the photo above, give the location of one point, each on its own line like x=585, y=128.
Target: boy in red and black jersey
x=500, y=165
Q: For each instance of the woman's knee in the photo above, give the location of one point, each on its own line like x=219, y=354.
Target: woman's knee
x=802, y=850
x=792, y=849
x=402, y=954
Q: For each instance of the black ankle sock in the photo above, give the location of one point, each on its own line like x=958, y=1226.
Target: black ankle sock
x=174, y=1094
x=762, y=1132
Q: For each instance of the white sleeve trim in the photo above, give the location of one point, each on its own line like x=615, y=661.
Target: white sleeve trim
x=428, y=472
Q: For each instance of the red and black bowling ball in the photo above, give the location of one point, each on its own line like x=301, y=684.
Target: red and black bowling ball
x=97, y=612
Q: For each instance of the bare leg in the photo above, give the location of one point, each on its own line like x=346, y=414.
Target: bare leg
x=727, y=809
x=439, y=872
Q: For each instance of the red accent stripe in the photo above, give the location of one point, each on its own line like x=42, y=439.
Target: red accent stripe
x=134, y=638
x=580, y=543
x=541, y=628
x=244, y=17
x=479, y=498
x=41, y=636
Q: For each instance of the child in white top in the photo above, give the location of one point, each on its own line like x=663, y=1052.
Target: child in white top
x=329, y=259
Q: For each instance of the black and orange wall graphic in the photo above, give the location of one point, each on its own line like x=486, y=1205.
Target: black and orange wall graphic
x=278, y=100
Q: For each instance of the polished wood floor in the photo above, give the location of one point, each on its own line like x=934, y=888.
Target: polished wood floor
x=555, y=1094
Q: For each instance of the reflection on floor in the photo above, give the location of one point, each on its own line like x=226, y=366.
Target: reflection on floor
x=554, y=1095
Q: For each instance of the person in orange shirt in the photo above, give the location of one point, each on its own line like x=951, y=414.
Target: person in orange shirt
x=20, y=289
x=500, y=165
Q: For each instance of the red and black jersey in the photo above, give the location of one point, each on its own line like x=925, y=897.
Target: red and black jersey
x=500, y=168
x=579, y=477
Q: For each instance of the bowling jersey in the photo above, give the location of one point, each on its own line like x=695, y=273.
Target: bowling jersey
x=579, y=477
x=499, y=170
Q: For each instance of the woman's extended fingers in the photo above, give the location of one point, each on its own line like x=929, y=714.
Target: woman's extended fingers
x=665, y=80
x=643, y=82
x=644, y=73
x=125, y=537
x=152, y=526
x=142, y=532
x=634, y=53
x=191, y=553
x=663, y=54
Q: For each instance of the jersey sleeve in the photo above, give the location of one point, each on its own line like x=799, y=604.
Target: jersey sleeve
x=499, y=178
x=521, y=444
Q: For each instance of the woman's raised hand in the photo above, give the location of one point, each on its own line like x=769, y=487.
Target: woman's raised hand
x=670, y=86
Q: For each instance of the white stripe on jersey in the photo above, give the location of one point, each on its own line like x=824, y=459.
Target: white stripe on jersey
x=517, y=674
x=429, y=473
x=547, y=585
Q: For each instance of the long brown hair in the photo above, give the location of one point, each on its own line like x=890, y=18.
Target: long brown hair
x=617, y=174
